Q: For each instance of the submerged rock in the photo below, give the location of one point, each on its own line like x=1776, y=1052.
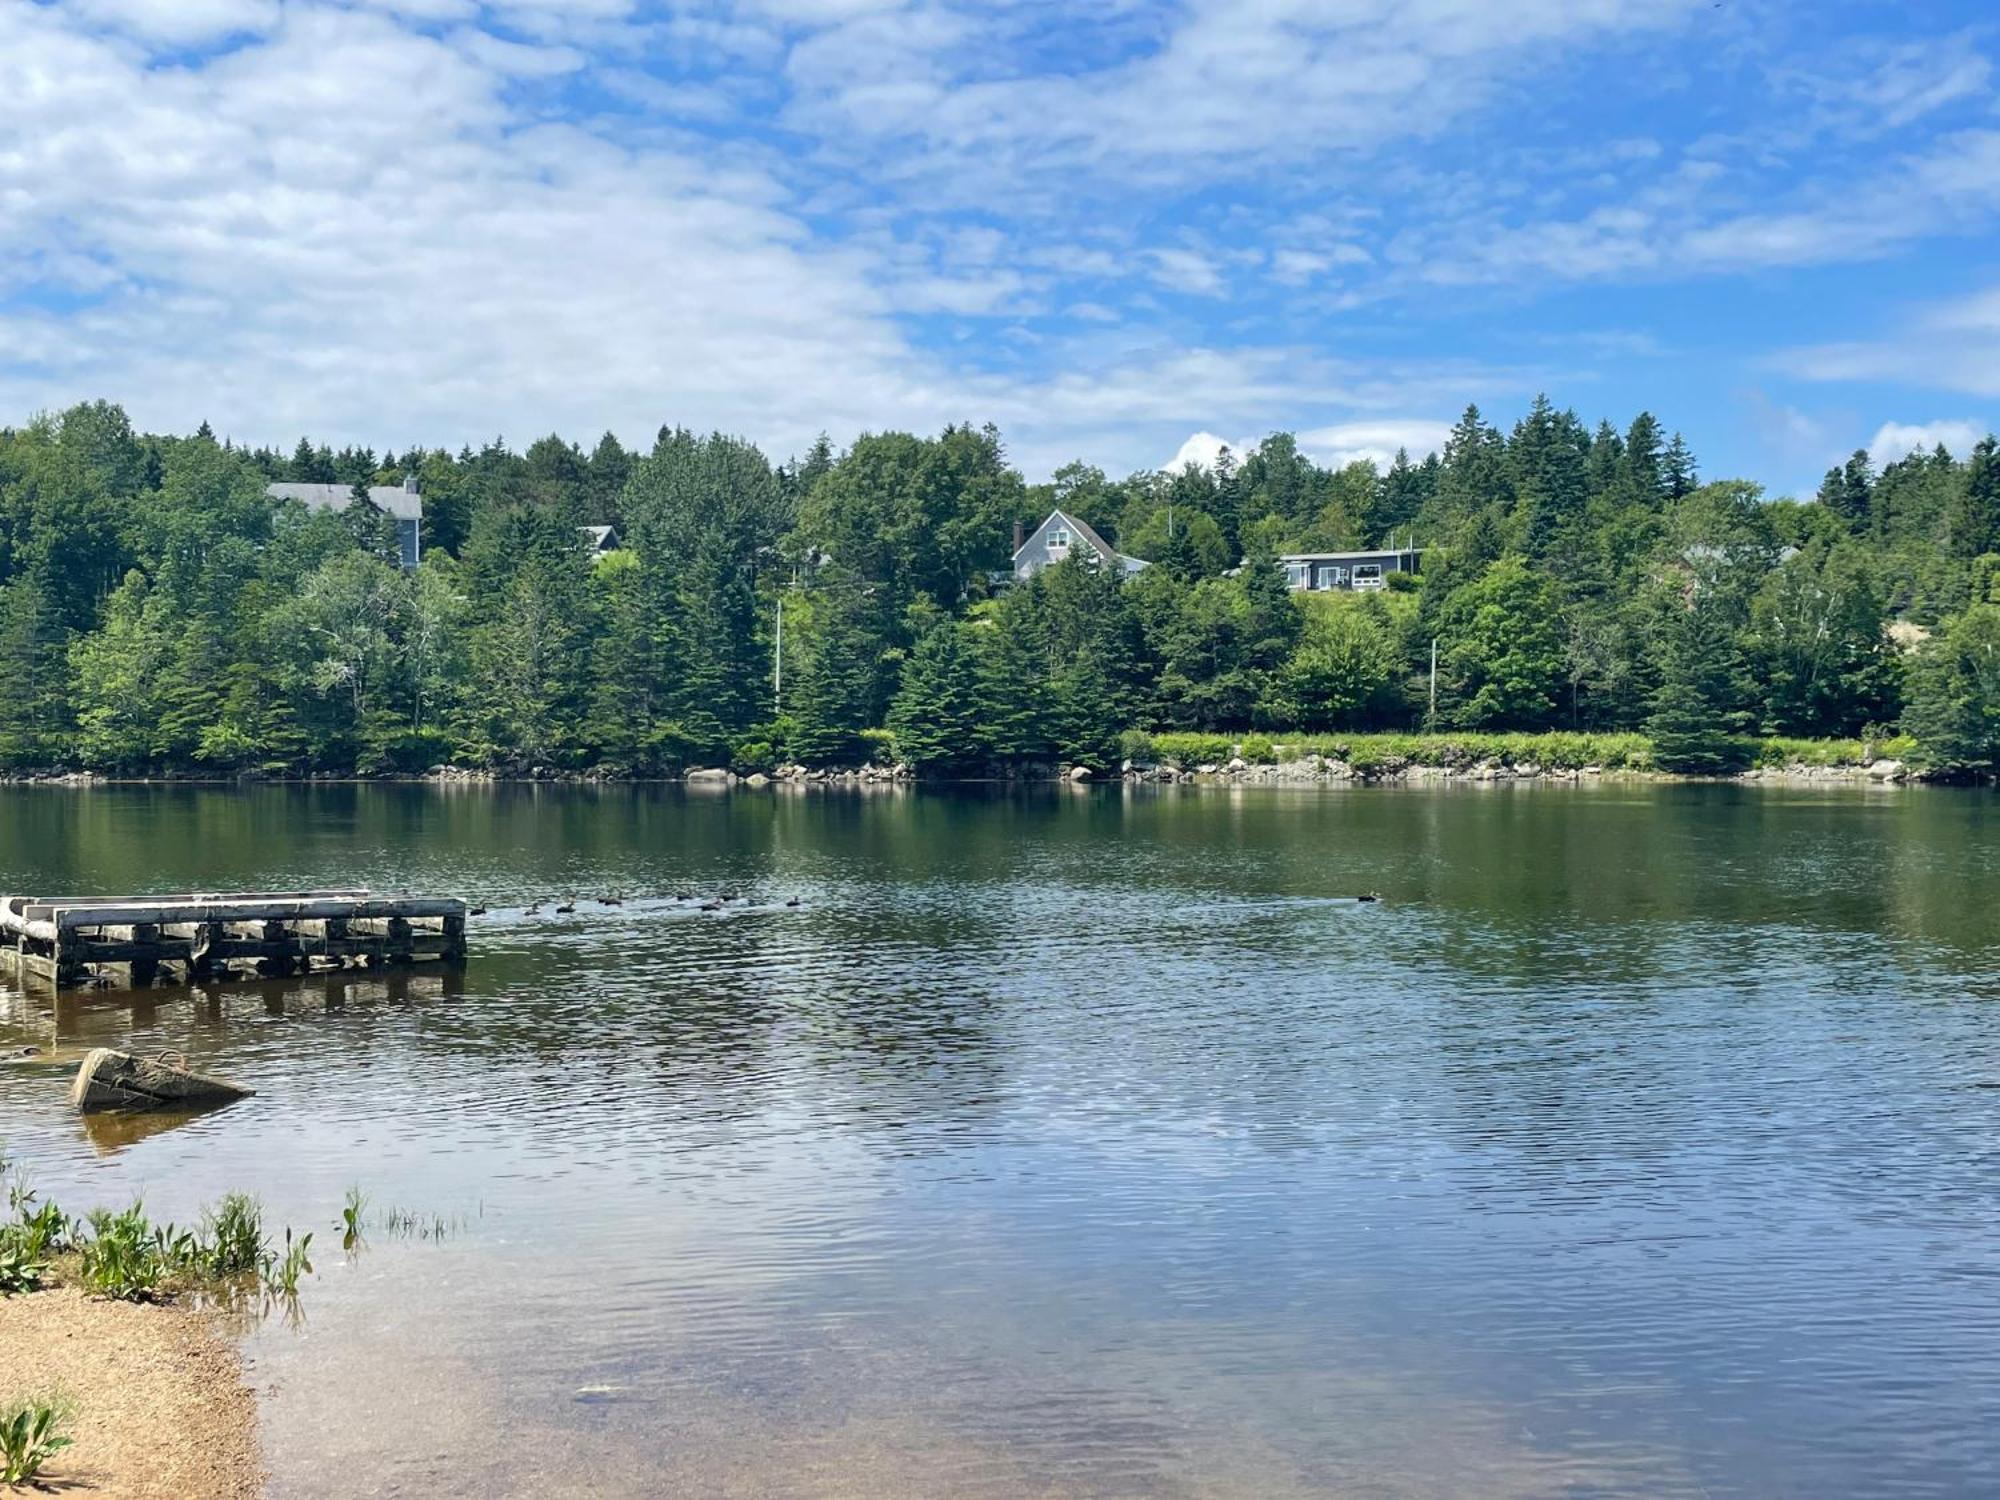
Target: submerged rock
x=108, y=1079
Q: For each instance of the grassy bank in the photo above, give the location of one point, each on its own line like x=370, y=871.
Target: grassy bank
x=1561, y=750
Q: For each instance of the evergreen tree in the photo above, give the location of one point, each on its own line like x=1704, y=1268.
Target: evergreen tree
x=1848, y=490
x=1013, y=663
x=1954, y=708
x=1697, y=708
x=1677, y=469
x=831, y=694
x=935, y=716
x=1974, y=522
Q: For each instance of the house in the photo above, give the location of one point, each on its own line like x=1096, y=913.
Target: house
x=598, y=539
x=1060, y=536
x=1319, y=571
x=399, y=502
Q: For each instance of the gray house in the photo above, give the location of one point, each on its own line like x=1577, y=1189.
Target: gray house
x=400, y=502
x=597, y=540
x=1319, y=571
x=1062, y=536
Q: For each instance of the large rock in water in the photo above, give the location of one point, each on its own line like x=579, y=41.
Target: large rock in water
x=119, y=1080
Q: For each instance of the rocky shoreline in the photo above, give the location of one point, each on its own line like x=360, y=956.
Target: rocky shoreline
x=1309, y=770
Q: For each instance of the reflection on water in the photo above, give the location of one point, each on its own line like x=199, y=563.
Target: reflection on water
x=1638, y=1141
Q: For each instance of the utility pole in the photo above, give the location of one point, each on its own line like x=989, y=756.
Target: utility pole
x=1432, y=722
x=778, y=665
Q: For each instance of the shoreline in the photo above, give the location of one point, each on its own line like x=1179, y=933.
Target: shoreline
x=1311, y=771
x=159, y=1407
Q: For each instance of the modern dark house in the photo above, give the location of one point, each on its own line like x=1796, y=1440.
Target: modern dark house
x=1320, y=571
x=597, y=540
x=1062, y=536
x=399, y=502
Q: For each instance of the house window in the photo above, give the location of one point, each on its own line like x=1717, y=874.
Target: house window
x=1330, y=576
x=1058, y=538
x=1295, y=575
x=1368, y=576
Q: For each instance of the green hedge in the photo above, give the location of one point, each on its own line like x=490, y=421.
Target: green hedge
x=1557, y=749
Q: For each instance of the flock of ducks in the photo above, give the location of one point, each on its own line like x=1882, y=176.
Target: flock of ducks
x=567, y=905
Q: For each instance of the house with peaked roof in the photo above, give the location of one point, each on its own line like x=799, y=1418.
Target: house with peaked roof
x=399, y=502
x=1061, y=536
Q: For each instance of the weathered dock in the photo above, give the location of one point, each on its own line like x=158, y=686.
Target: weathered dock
x=72, y=941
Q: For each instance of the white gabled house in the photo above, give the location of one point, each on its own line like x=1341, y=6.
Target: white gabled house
x=1062, y=536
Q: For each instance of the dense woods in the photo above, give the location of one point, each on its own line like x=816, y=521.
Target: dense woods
x=158, y=612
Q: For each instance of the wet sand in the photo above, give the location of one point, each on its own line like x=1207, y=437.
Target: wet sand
x=160, y=1410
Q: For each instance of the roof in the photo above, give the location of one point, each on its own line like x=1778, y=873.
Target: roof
x=1378, y=554
x=1097, y=544
x=599, y=538
x=403, y=504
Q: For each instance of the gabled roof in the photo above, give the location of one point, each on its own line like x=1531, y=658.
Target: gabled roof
x=403, y=504
x=599, y=538
x=1083, y=529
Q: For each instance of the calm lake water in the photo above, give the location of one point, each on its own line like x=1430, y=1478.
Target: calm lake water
x=1640, y=1140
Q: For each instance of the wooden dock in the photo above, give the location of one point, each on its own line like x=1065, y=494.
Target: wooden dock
x=137, y=941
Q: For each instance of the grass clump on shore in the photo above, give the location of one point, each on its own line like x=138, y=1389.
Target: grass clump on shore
x=31, y=1433
x=124, y=1255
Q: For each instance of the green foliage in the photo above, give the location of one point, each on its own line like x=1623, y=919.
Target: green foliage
x=158, y=613
x=281, y=1273
x=1501, y=662
x=935, y=718
x=30, y=1435
x=1954, y=695
x=121, y=1258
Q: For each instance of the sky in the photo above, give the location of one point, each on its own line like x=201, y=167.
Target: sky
x=1123, y=232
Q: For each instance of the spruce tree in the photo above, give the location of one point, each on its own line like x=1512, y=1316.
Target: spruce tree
x=1697, y=708
x=1013, y=664
x=935, y=716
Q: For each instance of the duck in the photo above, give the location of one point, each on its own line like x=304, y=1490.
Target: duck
x=795, y=901
x=475, y=911
x=684, y=895
x=568, y=906
x=611, y=898
x=1368, y=896
x=532, y=911
x=711, y=906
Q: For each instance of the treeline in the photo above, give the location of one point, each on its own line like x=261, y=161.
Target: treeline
x=158, y=612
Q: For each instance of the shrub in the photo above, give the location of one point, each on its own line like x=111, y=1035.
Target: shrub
x=1258, y=750
x=1137, y=746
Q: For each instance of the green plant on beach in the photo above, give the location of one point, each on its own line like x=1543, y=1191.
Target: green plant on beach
x=30, y=1435
x=122, y=1257
x=282, y=1272
x=233, y=1237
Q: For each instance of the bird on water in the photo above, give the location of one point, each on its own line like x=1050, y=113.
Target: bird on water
x=568, y=905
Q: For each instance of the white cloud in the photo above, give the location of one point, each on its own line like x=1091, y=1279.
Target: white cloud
x=1186, y=271
x=1948, y=346
x=1374, y=442
x=1201, y=449
x=180, y=22
x=1896, y=440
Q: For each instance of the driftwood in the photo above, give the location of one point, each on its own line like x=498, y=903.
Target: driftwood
x=119, y=1080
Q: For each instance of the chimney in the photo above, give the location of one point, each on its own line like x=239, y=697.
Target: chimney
x=410, y=484
x=1019, y=536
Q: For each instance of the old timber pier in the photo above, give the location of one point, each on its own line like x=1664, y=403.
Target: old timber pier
x=73, y=941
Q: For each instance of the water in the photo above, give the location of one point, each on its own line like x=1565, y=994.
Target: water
x=1638, y=1141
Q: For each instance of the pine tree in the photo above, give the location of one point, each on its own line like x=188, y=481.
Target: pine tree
x=1678, y=470
x=935, y=716
x=1013, y=664
x=1848, y=490
x=1697, y=708
x=1974, y=521
x=830, y=692
x=1954, y=708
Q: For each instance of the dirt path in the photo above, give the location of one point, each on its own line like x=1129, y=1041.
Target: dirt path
x=161, y=1410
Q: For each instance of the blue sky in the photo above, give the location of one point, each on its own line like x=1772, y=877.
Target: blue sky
x=1121, y=237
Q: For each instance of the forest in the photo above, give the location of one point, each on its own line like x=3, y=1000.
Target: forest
x=160, y=614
